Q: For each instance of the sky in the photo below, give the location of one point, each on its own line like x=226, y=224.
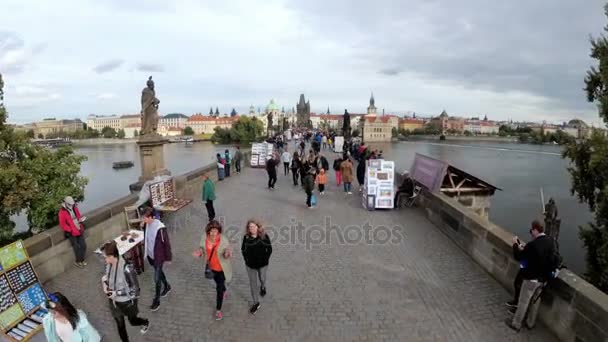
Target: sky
x=520, y=60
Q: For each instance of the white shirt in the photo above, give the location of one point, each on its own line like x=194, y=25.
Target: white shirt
x=286, y=157
x=64, y=330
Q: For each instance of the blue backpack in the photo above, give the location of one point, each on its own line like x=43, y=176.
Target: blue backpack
x=313, y=199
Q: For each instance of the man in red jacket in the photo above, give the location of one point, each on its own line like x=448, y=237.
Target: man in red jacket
x=71, y=223
x=158, y=251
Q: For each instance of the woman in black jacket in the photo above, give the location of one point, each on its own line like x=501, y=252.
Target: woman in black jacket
x=256, y=249
x=295, y=167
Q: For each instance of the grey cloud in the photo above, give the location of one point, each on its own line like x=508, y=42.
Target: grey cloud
x=539, y=47
x=10, y=43
x=148, y=67
x=108, y=66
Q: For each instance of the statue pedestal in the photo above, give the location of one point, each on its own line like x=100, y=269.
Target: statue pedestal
x=151, y=155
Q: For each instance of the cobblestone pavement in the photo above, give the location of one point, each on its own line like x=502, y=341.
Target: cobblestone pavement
x=409, y=283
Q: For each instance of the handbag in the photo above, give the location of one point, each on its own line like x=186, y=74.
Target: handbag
x=313, y=199
x=208, y=272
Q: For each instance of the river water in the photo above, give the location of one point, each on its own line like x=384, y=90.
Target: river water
x=520, y=170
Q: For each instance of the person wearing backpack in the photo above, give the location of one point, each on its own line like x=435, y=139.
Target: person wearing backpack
x=309, y=185
x=256, y=249
x=337, y=163
x=157, y=249
x=120, y=285
x=295, y=168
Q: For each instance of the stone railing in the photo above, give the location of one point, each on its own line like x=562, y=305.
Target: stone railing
x=571, y=308
x=51, y=253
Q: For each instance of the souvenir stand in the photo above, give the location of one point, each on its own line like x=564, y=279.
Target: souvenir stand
x=260, y=153
x=379, y=188
x=21, y=294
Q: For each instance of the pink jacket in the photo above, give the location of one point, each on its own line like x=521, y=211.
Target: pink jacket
x=67, y=224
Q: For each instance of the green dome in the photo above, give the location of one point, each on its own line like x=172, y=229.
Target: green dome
x=272, y=106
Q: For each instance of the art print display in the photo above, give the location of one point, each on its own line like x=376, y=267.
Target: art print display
x=7, y=297
x=31, y=298
x=21, y=277
x=11, y=316
x=379, y=190
x=12, y=255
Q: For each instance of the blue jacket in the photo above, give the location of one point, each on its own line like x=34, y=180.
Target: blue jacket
x=84, y=330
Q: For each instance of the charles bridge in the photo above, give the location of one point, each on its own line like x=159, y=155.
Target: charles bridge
x=338, y=273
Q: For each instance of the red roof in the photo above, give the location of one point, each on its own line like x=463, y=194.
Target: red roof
x=410, y=121
x=200, y=117
x=384, y=118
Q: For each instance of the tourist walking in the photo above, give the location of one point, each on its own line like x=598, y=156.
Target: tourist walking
x=216, y=250
x=542, y=262
x=221, y=172
x=361, y=173
x=295, y=167
x=73, y=229
x=336, y=165
x=157, y=249
x=321, y=180
x=323, y=163
x=286, y=158
x=346, y=168
x=302, y=148
x=303, y=168
x=271, y=168
x=256, y=249
x=121, y=286
x=65, y=323
x=238, y=157
x=324, y=141
x=209, y=195
x=228, y=161
x=309, y=185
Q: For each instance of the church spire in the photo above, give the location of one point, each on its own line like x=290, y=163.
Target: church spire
x=327, y=110
x=372, y=102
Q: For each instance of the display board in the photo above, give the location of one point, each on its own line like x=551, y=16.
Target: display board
x=260, y=152
x=162, y=196
x=21, y=294
x=428, y=171
x=338, y=144
x=379, y=185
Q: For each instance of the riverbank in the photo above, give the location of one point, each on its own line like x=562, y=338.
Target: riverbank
x=102, y=141
x=464, y=138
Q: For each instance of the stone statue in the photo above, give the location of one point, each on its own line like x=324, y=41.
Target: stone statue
x=149, y=109
x=269, y=127
x=552, y=223
x=346, y=125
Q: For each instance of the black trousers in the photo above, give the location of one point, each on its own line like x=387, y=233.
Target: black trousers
x=321, y=187
x=210, y=209
x=294, y=173
x=308, y=197
x=519, y=279
x=286, y=168
x=130, y=310
x=79, y=246
x=220, y=288
x=227, y=168
x=272, y=178
x=160, y=279
x=237, y=165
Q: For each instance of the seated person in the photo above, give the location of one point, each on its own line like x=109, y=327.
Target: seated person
x=406, y=189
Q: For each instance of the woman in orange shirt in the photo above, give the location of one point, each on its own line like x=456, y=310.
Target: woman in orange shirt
x=216, y=250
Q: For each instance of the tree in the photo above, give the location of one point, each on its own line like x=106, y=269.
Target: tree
x=108, y=132
x=135, y=133
x=33, y=179
x=468, y=133
x=188, y=131
x=394, y=132
x=121, y=134
x=244, y=130
x=30, y=134
x=40, y=136
x=589, y=170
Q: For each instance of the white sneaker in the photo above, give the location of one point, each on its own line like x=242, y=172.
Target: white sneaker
x=350, y=193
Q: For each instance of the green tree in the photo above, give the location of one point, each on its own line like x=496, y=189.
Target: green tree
x=40, y=136
x=135, y=133
x=468, y=133
x=30, y=134
x=121, y=134
x=33, y=179
x=589, y=169
x=108, y=132
x=188, y=131
x=394, y=132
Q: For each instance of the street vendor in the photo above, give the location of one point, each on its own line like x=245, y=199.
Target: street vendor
x=70, y=221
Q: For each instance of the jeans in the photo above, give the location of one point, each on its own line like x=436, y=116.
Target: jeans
x=210, y=209
x=160, y=279
x=347, y=187
x=528, y=303
x=294, y=173
x=272, y=179
x=286, y=168
x=220, y=288
x=79, y=246
x=308, y=198
x=131, y=314
x=237, y=166
x=254, y=275
x=338, y=177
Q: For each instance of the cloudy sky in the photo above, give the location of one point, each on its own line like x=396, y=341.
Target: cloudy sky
x=515, y=59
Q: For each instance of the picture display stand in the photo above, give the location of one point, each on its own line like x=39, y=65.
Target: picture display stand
x=260, y=152
x=162, y=197
x=21, y=294
x=379, y=185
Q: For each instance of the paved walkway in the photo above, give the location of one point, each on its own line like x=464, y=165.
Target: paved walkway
x=409, y=283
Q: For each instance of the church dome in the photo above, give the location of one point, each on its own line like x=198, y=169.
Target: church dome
x=272, y=106
x=577, y=122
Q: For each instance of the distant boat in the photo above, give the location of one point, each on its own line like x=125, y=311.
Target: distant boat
x=181, y=139
x=125, y=164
